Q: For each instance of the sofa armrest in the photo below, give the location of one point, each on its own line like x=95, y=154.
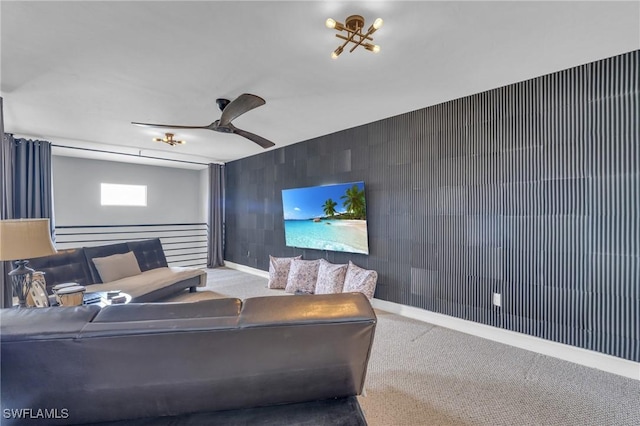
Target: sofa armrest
x=306, y=309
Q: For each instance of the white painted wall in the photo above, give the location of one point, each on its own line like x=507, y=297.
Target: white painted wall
x=173, y=195
x=204, y=194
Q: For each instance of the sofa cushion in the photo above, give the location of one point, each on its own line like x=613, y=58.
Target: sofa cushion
x=117, y=266
x=360, y=280
x=302, y=276
x=102, y=251
x=330, y=277
x=149, y=253
x=279, y=271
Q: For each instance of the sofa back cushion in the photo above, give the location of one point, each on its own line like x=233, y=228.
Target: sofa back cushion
x=149, y=253
x=63, y=267
x=102, y=251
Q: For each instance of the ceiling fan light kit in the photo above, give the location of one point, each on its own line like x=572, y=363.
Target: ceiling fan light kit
x=353, y=26
x=168, y=139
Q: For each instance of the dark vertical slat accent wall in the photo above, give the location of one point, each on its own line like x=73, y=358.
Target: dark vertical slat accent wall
x=530, y=190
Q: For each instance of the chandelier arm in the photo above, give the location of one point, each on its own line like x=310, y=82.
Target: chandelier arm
x=348, y=39
x=362, y=38
x=345, y=38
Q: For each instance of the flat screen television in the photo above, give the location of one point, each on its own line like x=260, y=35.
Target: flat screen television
x=328, y=217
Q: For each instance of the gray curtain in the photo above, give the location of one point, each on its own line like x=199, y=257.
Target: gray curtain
x=215, y=255
x=33, y=193
x=6, y=205
x=26, y=190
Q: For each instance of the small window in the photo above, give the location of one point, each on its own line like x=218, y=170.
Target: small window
x=112, y=194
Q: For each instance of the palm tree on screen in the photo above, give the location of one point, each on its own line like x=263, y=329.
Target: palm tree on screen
x=354, y=202
x=329, y=207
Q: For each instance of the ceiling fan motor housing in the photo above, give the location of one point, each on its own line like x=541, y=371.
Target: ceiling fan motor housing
x=222, y=103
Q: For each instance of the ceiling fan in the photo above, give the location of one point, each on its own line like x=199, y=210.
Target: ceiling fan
x=168, y=139
x=230, y=111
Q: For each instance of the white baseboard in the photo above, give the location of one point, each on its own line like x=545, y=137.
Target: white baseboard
x=597, y=360
x=247, y=269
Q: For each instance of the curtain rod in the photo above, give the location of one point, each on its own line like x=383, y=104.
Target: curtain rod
x=130, y=155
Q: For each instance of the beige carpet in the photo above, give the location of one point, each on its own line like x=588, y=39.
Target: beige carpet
x=420, y=374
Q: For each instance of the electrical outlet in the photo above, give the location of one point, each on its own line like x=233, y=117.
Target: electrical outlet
x=497, y=300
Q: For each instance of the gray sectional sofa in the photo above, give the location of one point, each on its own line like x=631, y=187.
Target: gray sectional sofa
x=156, y=280
x=265, y=360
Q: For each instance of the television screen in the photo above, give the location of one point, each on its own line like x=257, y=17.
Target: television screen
x=330, y=217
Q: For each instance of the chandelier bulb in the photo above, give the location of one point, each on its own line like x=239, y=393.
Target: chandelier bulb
x=377, y=23
x=330, y=23
x=376, y=49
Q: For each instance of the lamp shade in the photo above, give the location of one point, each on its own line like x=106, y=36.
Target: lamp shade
x=25, y=239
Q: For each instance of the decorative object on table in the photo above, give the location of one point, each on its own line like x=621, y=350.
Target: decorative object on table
x=59, y=287
x=118, y=299
x=22, y=239
x=353, y=26
x=56, y=288
x=71, y=296
x=38, y=291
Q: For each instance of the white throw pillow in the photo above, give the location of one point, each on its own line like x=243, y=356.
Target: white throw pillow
x=360, y=280
x=330, y=277
x=117, y=266
x=302, y=276
x=279, y=271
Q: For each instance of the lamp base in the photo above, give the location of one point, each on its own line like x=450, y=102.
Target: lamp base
x=21, y=281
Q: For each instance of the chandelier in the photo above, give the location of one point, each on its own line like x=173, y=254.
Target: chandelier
x=169, y=140
x=353, y=26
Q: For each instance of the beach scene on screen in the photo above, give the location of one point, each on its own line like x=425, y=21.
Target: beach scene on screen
x=329, y=217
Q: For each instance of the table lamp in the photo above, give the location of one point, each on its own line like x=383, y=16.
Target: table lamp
x=22, y=239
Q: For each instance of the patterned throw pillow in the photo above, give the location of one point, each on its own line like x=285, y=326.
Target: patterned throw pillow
x=330, y=277
x=279, y=271
x=302, y=276
x=361, y=280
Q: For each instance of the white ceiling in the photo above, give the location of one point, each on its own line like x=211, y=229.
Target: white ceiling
x=77, y=73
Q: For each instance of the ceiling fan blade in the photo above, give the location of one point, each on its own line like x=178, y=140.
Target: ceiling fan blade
x=174, y=126
x=238, y=106
x=252, y=137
